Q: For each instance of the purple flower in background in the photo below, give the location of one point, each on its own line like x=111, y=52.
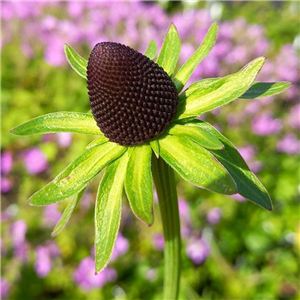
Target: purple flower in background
x=43, y=262
x=265, y=124
x=18, y=232
x=121, y=247
x=158, y=241
x=6, y=185
x=289, y=144
x=294, y=117
x=197, y=250
x=4, y=288
x=214, y=215
x=85, y=276
x=51, y=215
x=64, y=139
x=6, y=162
x=35, y=161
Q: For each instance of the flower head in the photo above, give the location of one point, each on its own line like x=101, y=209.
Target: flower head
x=142, y=115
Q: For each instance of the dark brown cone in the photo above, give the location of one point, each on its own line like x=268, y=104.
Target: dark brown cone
x=132, y=99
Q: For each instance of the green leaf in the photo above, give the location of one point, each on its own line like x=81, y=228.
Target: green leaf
x=247, y=183
x=170, y=51
x=199, y=85
x=78, y=63
x=59, y=122
x=108, y=211
x=265, y=89
x=197, y=134
x=151, y=50
x=155, y=147
x=138, y=184
x=195, y=164
x=219, y=92
x=77, y=175
x=101, y=140
x=67, y=214
x=189, y=66
x=257, y=90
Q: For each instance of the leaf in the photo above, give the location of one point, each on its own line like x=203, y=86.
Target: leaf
x=219, y=92
x=59, y=122
x=151, y=50
x=139, y=184
x=247, y=183
x=155, y=147
x=190, y=65
x=108, y=211
x=265, y=89
x=204, y=83
x=170, y=51
x=101, y=140
x=77, y=175
x=199, y=135
x=78, y=63
x=195, y=164
x=67, y=214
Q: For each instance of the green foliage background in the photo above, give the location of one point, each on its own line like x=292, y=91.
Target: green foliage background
x=254, y=253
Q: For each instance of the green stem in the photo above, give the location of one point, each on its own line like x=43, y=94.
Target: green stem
x=168, y=203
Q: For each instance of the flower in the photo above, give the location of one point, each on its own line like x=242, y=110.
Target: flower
x=197, y=250
x=147, y=121
x=35, y=161
x=86, y=278
x=289, y=144
x=4, y=288
x=214, y=215
x=265, y=124
x=6, y=162
x=43, y=262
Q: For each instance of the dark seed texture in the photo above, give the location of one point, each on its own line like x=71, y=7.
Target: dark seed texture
x=132, y=99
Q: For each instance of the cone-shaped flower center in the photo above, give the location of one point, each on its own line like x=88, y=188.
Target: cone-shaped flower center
x=132, y=99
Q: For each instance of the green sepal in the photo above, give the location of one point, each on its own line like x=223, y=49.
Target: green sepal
x=67, y=214
x=139, y=183
x=64, y=121
x=108, y=211
x=77, y=175
x=170, y=51
x=220, y=92
x=155, y=147
x=257, y=89
x=101, y=140
x=247, y=183
x=151, y=50
x=265, y=89
x=78, y=63
x=185, y=72
x=197, y=134
x=196, y=164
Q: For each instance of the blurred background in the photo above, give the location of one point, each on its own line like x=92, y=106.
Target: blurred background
x=232, y=249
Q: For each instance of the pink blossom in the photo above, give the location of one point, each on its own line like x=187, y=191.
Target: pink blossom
x=265, y=124
x=289, y=144
x=86, y=278
x=197, y=250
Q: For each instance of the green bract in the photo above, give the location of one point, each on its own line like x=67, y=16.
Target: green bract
x=194, y=149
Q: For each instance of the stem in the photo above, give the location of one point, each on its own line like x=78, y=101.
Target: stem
x=168, y=203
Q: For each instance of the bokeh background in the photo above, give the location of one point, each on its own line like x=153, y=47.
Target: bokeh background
x=232, y=249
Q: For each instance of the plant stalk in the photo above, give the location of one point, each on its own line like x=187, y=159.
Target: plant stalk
x=168, y=203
